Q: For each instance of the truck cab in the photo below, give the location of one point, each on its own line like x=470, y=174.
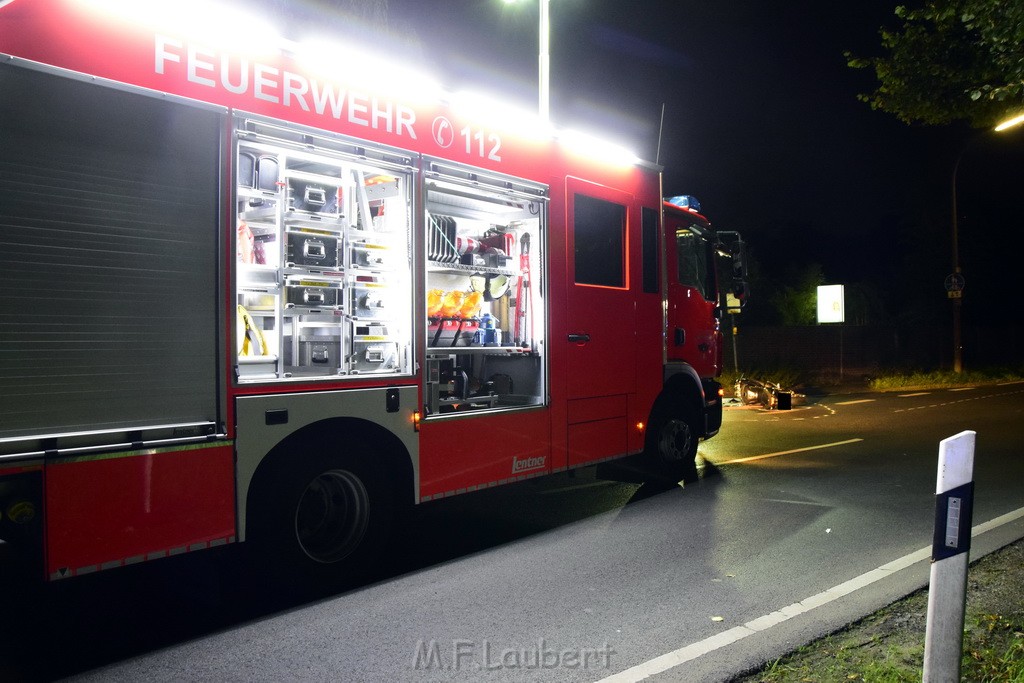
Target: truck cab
x=690, y=406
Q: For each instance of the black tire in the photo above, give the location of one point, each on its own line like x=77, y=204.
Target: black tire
x=671, y=448
x=321, y=517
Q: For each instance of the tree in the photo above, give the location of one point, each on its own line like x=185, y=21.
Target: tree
x=951, y=60
x=796, y=301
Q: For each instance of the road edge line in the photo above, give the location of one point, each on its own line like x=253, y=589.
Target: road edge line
x=669, y=660
x=795, y=450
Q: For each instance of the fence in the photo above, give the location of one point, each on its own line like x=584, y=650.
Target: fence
x=851, y=351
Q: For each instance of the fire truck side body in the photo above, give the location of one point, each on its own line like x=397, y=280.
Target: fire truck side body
x=247, y=300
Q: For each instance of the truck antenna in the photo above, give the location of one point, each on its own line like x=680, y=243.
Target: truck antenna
x=661, y=128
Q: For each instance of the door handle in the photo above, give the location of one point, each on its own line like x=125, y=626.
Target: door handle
x=680, y=336
x=579, y=338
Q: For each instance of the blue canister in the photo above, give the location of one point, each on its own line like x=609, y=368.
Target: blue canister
x=488, y=334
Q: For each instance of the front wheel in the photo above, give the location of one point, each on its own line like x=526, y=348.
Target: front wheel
x=671, y=449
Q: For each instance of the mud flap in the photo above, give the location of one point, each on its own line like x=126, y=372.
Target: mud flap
x=712, y=407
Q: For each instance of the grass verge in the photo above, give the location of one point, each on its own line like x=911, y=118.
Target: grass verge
x=888, y=646
x=938, y=379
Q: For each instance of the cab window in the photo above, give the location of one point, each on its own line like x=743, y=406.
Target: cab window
x=599, y=232
x=696, y=265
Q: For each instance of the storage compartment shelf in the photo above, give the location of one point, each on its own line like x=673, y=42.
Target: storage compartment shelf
x=264, y=215
x=480, y=350
x=334, y=180
x=461, y=268
x=333, y=274
x=299, y=219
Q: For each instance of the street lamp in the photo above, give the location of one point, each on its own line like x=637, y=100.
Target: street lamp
x=544, y=59
x=1010, y=123
x=955, y=282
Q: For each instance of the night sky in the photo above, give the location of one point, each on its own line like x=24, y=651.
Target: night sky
x=761, y=123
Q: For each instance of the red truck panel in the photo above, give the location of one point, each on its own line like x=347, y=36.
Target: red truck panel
x=481, y=451
x=106, y=511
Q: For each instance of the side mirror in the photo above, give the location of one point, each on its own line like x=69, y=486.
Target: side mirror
x=736, y=251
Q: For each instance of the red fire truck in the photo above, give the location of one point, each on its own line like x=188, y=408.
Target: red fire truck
x=253, y=296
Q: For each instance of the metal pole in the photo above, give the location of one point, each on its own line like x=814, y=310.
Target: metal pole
x=735, y=355
x=545, y=59
x=958, y=347
x=840, y=353
x=951, y=543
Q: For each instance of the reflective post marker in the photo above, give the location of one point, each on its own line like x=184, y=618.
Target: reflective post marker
x=947, y=589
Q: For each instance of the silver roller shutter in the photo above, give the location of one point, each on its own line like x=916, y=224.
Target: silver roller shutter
x=108, y=258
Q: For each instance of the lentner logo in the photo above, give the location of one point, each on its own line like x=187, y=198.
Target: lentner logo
x=528, y=464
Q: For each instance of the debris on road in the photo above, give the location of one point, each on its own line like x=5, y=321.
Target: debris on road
x=770, y=395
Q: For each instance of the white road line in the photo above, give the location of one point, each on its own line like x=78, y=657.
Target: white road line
x=1006, y=384
x=576, y=487
x=859, y=400
x=920, y=393
x=795, y=450
x=690, y=652
x=798, y=502
x=964, y=389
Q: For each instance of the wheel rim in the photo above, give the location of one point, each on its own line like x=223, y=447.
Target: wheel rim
x=676, y=440
x=332, y=516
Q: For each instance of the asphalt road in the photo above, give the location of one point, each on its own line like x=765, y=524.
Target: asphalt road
x=803, y=521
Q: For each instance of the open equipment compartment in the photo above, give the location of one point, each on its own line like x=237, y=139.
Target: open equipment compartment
x=322, y=248
x=485, y=307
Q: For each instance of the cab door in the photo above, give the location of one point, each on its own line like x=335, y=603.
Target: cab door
x=600, y=321
x=693, y=330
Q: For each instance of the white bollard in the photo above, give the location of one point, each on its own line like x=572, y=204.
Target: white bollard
x=947, y=589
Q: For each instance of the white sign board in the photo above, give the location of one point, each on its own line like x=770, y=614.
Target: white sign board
x=831, y=307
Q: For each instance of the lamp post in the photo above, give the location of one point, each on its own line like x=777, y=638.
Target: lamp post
x=955, y=282
x=543, y=59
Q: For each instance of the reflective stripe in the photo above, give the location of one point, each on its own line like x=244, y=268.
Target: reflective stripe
x=65, y=573
x=517, y=478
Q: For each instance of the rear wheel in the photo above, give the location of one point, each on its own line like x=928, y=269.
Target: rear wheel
x=320, y=517
x=332, y=516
